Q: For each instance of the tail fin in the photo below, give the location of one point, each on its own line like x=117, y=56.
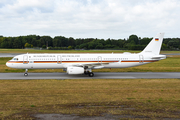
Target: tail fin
x=155, y=45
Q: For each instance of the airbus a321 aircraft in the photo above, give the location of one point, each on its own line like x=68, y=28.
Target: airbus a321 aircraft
x=85, y=63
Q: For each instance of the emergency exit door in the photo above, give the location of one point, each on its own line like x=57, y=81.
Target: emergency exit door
x=59, y=59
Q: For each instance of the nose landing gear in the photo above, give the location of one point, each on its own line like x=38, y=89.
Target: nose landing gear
x=26, y=73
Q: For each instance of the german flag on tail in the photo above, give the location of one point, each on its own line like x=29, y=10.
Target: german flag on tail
x=156, y=39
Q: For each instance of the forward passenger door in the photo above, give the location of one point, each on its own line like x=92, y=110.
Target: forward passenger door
x=25, y=59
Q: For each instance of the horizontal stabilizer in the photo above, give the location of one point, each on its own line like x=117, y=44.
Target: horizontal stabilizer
x=159, y=57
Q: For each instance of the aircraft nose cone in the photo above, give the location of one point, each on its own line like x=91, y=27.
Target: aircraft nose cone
x=7, y=64
x=10, y=64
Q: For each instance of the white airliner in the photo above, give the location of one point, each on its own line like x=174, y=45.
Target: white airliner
x=85, y=63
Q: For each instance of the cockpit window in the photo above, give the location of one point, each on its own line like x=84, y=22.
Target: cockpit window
x=15, y=59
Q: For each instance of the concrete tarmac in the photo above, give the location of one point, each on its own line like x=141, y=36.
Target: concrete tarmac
x=97, y=75
x=9, y=54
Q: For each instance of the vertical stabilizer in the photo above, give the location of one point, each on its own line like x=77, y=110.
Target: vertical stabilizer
x=154, y=46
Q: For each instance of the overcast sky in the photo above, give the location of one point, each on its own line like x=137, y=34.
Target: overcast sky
x=116, y=19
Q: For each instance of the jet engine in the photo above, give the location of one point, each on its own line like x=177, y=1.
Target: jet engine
x=75, y=70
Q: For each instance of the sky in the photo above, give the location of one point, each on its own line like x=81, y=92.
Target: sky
x=103, y=19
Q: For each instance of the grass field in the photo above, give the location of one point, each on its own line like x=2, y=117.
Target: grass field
x=144, y=98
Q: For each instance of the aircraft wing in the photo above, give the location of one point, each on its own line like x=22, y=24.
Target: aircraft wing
x=98, y=65
x=90, y=64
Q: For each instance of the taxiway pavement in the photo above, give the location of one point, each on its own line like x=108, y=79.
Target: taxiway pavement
x=8, y=54
x=97, y=75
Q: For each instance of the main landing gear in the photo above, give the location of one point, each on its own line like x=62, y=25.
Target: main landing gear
x=26, y=72
x=89, y=72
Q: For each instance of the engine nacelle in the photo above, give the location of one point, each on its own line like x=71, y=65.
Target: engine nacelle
x=75, y=70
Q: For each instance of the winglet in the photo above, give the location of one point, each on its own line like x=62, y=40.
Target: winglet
x=155, y=45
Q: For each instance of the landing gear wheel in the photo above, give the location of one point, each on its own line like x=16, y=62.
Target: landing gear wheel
x=91, y=74
x=25, y=74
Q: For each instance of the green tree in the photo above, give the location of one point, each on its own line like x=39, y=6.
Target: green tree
x=55, y=42
x=145, y=41
x=164, y=46
x=1, y=40
x=108, y=42
x=60, y=41
x=99, y=46
x=46, y=40
x=27, y=45
x=79, y=41
x=71, y=42
x=83, y=46
x=44, y=46
x=120, y=43
x=69, y=47
x=6, y=42
x=108, y=46
x=34, y=42
x=174, y=43
x=133, y=39
x=91, y=45
x=17, y=42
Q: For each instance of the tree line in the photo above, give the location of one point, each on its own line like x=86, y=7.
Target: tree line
x=60, y=42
